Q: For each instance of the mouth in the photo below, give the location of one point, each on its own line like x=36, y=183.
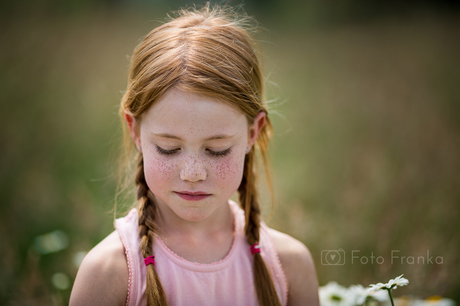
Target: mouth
x=192, y=196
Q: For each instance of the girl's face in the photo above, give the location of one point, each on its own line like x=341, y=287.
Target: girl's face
x=194, y=150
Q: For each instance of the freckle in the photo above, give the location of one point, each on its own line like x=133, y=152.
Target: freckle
x=163, y=168
x=225, y=170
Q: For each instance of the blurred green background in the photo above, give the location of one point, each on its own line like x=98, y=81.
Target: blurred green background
x=366, y=107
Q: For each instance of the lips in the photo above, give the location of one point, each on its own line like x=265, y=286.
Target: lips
x=192, y=195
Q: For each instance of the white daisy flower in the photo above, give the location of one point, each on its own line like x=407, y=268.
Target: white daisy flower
x=380, y=296
x=392, y=284
x=358, y=294
x=334, y=295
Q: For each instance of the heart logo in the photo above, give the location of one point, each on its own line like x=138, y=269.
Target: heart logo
x=333, y=256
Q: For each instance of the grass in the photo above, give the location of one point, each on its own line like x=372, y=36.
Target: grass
x=365, y=158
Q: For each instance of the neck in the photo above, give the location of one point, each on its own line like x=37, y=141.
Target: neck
x=205, y=240
x=198, y=224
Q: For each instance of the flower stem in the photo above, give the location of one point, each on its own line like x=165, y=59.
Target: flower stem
x=391, y=298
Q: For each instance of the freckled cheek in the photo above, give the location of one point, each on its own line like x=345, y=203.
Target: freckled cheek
x=159, y=170
x=228, y=170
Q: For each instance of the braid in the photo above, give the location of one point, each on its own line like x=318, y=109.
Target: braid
x=248, y=199
x=154, y=291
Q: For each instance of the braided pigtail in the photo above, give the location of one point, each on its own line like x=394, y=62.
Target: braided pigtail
x=265, y=287
x=155, y=294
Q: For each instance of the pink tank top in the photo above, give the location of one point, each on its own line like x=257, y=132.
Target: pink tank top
x=229, y=281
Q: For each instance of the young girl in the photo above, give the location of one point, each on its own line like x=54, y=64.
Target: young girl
x=195, y=111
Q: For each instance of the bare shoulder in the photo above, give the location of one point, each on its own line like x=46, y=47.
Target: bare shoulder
x=298, y=267
x=103, y=275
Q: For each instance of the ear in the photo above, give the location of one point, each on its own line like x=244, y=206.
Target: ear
x=131, y=122
x=256, y=127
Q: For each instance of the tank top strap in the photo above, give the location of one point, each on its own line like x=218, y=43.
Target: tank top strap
x=127, y=228
x=272, y=261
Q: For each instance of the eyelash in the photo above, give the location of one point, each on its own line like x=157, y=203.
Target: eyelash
x=213, y=153
x=166, y=152
x=219, y=153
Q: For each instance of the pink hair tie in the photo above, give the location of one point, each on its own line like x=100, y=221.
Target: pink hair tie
x=149, y=260
x=255, y=248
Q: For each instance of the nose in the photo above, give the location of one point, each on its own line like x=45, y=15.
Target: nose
x=193, y=170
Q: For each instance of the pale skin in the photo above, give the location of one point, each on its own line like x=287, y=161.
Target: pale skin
x=191, y=129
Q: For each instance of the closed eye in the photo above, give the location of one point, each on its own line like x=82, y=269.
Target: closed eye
x=166, y=152
x=219, y=153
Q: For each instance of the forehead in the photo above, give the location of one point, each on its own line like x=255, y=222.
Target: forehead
x=188, y=114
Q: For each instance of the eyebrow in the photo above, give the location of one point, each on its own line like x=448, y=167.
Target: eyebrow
x=215, y=137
